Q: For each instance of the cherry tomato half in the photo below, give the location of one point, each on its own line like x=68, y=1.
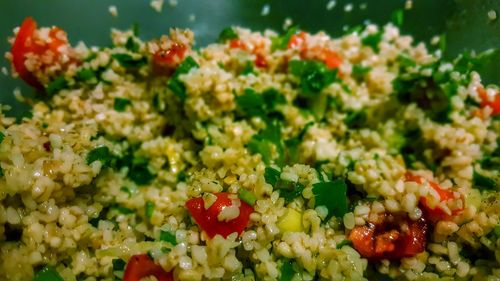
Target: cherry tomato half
x=140, y=266
x=171, y=57
x=208, y=219
x=485, y=101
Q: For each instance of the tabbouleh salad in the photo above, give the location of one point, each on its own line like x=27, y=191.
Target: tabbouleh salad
x=262, y=156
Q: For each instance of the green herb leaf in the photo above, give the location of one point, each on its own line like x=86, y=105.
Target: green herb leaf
x=47, y=273
x=56, y=85
x=281, y=42
x=442, y=42
x=271, y=175
x=248, y=69
x=141, y=175
x=2, y=137
x=123, y=210
x=314, y=76
x=359, y=72
x=247, y=196
x=100, y=153
x=356, y=119
x=397, y=17
x=85, y=74
x=482, y=182
x=332, y=195
x=126, y=190
x=132, y=45
x=344, y=243
x=129, y=61
x=169, y=237
x=496, y=231
x=287, y=271
x=268, y=141
x=290, y=190
x=263, y=105
x=175, y=84
x=149, y=209
x=118, y=264
x=121, y=104
x=373, y=40
x=226, y=34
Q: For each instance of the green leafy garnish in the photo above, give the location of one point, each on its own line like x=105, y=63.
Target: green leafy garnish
x=2, y=137
x=483, y=182
x=85, y=74
x=248, y=69
x=268, y=141
x=344, y=243
x=287, y=271
x=359, y=71
x=292, y=145
x=288, y=190
x=149, y=209
x=132, y=45
x=118, y=264
x=373, y=40
x=281, y=42
x=247, y=196
x=271, y=175
x=56, y=85
x=168, y=236
x=332, y=195
x=262, y=104
x=397, y=17
x=356, y=119
x=129, y=61
x=175, y=84
x=226, y=34
x=47, y=273
x=100, y=153
x=496, y=231
x=314, y=76
x=123, y=210
x=442, y=42
x=121, y=104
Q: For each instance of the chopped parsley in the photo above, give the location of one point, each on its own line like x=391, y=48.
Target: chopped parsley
x=149, y=209
x=287, y=271
x=248, y=69
x=288, y=190
x=247, y=196
x=314, y=76
x=483, y=182
x=175, y=84
x=56, y=85
x=332, y=195
x=100, y=153
x=344, y=243
x=167, y=236
x=121, y=104
x=123, y=210
x=281, y=42
x=85, y=74
x=397, y=17
x=226, y=34
x=2, y=137
x=359, y=72
x=47, y=273
x=129, y=61
x=268, y=141
x=262, y=104
x=356, y=119
x=292, y=145
x=373, y=40
x=132, y=45
x=118, y=264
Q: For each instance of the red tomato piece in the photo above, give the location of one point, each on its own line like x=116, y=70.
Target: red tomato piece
x=297, y=41
x=27, y=42
x=208, y=220
x=23, y=44
x=435, y=213
x=332, y=59
x=237, y=44
x=395, y=240
x=485, y=101
x=260, y=61
x=170, y=57
x=140, y=266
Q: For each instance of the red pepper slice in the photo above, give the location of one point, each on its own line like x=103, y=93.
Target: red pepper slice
x=140, y=266
x=406, y=238
x=207, y=218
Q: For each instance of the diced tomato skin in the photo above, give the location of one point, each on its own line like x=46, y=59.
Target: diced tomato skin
x=375, y=242
x=332, y=59
x=260, y=61
x=23, y=44
x=297, y=41
x=208, y=221
x=140, y=266
x=435, y=214
x=237, y=44
x=170, y=57
x=485, y=101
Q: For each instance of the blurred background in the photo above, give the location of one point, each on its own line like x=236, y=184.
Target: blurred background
x=467, y=24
